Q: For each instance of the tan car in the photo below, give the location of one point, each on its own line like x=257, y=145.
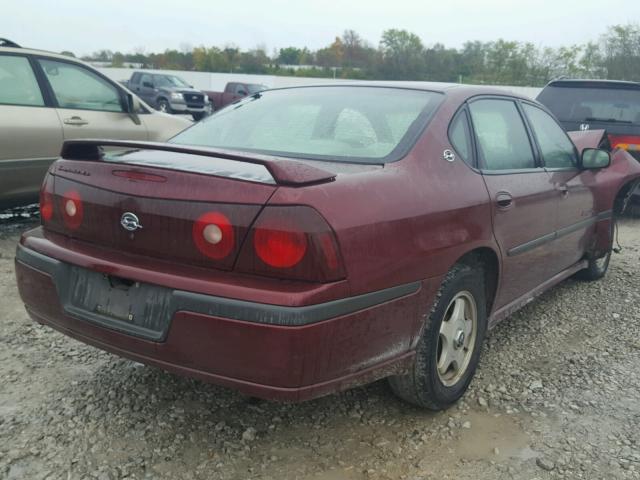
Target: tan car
x=47, y=98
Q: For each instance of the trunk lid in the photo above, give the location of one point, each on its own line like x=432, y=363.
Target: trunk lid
x=165, y=202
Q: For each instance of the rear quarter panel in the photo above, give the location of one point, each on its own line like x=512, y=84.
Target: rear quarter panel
x=409, y=221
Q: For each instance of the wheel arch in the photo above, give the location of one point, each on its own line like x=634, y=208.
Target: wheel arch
x=623, y=195
x=488, y=260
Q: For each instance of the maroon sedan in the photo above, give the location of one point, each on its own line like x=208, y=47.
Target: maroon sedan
x=306, y=240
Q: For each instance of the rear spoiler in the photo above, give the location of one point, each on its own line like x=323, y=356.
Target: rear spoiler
x=587, y=138
x=284, y=172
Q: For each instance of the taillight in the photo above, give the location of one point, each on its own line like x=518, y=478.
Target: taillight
x=279, y=245
x=213, y=235
x=46, y=200
x=626, y=142
x=72, y=209
x=291, y=243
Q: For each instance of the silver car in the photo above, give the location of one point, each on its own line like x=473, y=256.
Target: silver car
x=47, y=98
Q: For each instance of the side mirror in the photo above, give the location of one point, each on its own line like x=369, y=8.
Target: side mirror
x=242, y=92
x=147, y=84
x=133, y=107
x=594, y=158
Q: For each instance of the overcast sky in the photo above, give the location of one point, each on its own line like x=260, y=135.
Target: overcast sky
x=84, y=26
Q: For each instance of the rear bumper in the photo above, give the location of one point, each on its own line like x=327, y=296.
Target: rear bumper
x=274, y=352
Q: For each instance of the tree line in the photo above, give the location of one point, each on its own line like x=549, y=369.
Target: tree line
x=402, y=55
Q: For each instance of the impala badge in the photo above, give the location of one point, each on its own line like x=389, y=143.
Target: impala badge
x=130, y=222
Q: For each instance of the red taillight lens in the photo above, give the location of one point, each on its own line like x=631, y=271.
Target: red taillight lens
x=72, y=209
x=46, y=200
x=292, y=243
x=626, y=142
x=279, y=245
x=213, y=235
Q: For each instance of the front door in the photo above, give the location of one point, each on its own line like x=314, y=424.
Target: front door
x=575, y=214
x=89, y=106
x=522, y=196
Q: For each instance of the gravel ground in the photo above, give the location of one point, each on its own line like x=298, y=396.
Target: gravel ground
x=556, y=396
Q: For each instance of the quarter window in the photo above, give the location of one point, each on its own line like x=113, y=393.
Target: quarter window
x=18, y=84
x=503, y=142
x=460, y=137
x=556, y=149
x=77, y=87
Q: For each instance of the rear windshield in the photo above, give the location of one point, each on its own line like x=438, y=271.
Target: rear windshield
x=255, y=88
x=350, y=124
x=579, y=104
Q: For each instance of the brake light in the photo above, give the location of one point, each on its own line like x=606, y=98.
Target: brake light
x=46, y=200
x=213, y=235
x=626, y=142
x=292, y=242
x=279, y=245
x=72, y=209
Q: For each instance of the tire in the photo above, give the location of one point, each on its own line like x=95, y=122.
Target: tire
x=197, y=116
x=164, y=106
x=425, y=385
x=598, y=267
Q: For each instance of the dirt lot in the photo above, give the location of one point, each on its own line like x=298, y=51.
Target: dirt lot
x=556, y=396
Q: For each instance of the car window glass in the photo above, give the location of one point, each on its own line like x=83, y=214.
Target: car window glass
x=585, y=104
x=77, y=87
x=240, y=89
x=334, y=123
x=460, y=137
x=18, y=84
x=146, y=78
x=556, y=148
x=502, y=138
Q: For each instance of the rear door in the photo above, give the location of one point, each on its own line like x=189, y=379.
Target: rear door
x=30, y=131
x=575, y=215
x=522, y=195
x=88, y=105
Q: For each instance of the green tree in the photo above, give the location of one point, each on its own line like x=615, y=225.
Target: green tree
x=402, y=55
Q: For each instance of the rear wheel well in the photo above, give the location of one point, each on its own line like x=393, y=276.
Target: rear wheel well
x=487, y=260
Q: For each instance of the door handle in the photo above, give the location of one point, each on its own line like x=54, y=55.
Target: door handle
x=563, y=189
x=504, y=200
x=75, y=121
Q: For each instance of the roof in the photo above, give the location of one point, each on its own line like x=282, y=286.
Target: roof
x=33, y=51
x=460, y=90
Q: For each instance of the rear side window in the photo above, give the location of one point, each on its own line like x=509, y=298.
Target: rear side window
x=460, y=136
x=556, y=148
x=76, y=87
x=350, y=124
x=591, y=104
x=18, y=84
x=503, y=142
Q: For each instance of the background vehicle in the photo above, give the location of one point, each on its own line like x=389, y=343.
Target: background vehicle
x=47, y=98
x=232, y=256
x=232, y=92
x=169, y=94
x=599, y=104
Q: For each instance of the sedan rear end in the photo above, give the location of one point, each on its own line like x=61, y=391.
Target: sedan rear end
x=226, y=261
